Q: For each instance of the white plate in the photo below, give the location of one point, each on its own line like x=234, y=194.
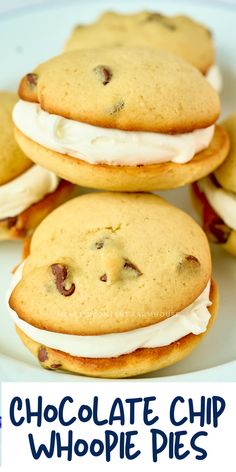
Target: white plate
x=31, y=35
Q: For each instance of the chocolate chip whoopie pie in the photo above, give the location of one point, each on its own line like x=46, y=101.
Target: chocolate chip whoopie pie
x=120, y=119
x=179, y=35
x=27, y=192
x=215, y=196
x=122, y=289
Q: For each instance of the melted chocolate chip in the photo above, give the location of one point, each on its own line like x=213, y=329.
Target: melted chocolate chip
x=160, y=19
x=169, y=26
x=55, y=366
x=60, y=272
x=32, y=80
x=103, y=278
x=192, y=259
x=42, y=354
x=188, y=263
x=103, y=73
x=128, y=265
x=99, y=244
x=10, y=221
x=154, y=17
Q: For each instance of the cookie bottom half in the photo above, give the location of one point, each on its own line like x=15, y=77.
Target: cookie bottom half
x=139, y=362
x=129, y=178
x=23, y=224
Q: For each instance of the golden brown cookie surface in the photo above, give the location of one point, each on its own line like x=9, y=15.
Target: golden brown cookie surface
x=12, y=160
x=106, y=263
x=140, y=89
x=177, y=34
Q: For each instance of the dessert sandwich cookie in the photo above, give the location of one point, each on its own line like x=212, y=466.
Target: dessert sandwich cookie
x=179, y=35
x=123, y=289
x=120, y=119
x=27, y=192
x=215, y=196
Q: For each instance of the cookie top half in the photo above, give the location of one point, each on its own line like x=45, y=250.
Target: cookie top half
x=176, y=34
x=226, y=173
x=12, y=160
x=139, y=89
x=105, y=263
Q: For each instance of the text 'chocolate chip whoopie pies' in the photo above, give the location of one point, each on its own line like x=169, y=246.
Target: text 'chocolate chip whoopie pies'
x=178, y=35
x=120, y=119
x=215, y=196
x=114, y=285
x=27, y=192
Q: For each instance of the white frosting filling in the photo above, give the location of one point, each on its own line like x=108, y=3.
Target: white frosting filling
x=222, y=201
x=214, y=77
x=98, y=145
x=193, y=319
x=26, y=189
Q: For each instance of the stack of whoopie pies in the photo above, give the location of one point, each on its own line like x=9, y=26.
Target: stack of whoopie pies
x=119, y=283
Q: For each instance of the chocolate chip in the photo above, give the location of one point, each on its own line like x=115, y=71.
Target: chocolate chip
x=163, y=20
x=103, y=73
x=42, y=354
x=32, y=80
x=60, y=272
x=209, y=33
x=154, y=17
x=10, y=221
x=218, y=232
x=192, y=259
x=103, y=278
x=117, y=107
x=99, y=244
x=169, y=26
x=128, y=265
x=189, y=263
x=55, y=366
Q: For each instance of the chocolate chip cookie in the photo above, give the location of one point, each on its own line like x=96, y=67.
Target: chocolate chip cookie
x=114, y=285
x=131, y=119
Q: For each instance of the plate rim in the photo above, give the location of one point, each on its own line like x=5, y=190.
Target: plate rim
x=50, y=4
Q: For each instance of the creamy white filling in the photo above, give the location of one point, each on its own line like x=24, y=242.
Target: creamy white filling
x=193, y=319
x=26, y=189
x=214, y=77
x=98, y=145
x=222, y=201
